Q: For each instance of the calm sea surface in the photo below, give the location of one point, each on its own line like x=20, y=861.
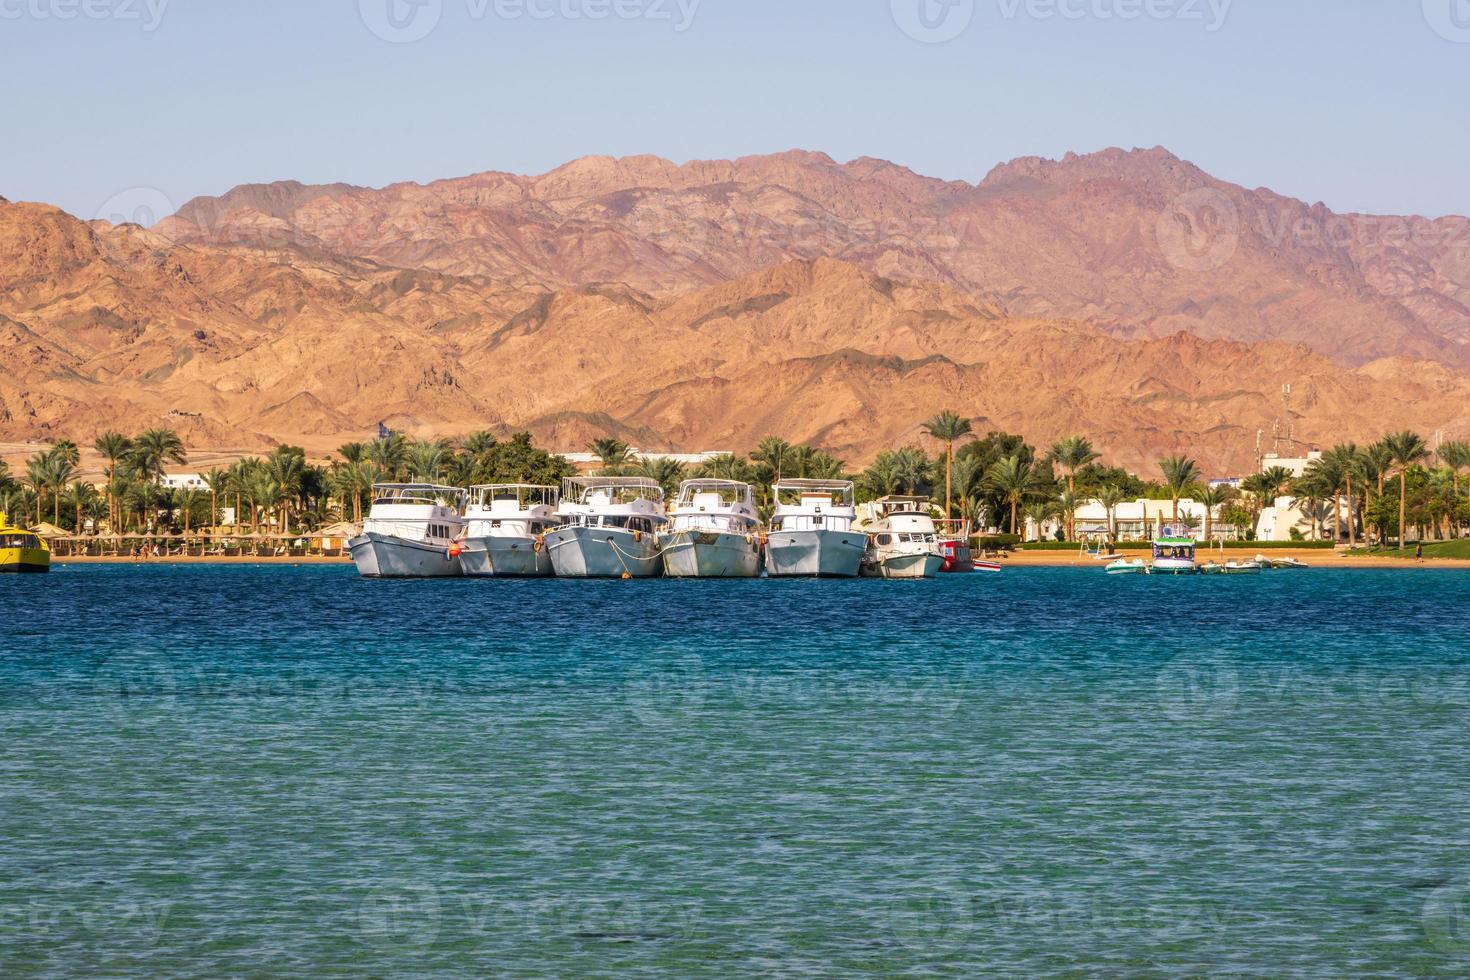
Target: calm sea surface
x=291, y=771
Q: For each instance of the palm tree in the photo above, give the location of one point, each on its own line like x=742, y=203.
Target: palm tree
x=113, y=446
x=726, y=466
x=947, y=427
x=1072, y=454
x=612, y=452
x=1016, y=480
x=287, y=468
x=668, y=473
x=1110, y=496
x=80, y=496
x=1180, y=474
x=1455, y=455
x=1038, y=512
x=388, y=455
x=186, y=501
x=882, y=477
x=912, y=467
x=153, y=450
x=776, y=453
x=217, y=480
x=969, y=471
x=1405, y=449
x=1212, y=499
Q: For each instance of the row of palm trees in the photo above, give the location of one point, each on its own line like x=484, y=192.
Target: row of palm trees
x=998, y=478
x=1363, y=477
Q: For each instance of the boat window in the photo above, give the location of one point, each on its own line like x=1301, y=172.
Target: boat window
x=885, y=539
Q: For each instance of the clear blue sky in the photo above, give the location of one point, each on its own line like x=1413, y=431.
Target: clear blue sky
x=1362, y=104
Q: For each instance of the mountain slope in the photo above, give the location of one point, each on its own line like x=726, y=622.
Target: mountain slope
x=1139, y=243
x=240, y=346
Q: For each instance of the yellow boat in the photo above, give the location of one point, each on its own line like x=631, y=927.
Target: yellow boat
x=22, y=550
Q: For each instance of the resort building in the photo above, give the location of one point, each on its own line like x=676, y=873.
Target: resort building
x=184, y=481
x=1311, y=521
x=1295, y=465
x=1137, y=520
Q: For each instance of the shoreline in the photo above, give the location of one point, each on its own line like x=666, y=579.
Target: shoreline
x=1020, y=559
x=1313, y=557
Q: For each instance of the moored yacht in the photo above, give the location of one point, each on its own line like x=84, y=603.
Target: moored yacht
x=410, y=532
x=903, y=542
x=1174, y=552
x=713, y=531
x=811, y=532
x=503, y=528
x=608, y=528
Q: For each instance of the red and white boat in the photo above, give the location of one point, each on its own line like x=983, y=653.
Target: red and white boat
x=954, y=545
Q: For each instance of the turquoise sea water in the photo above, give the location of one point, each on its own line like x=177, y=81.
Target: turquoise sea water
x=292, y=771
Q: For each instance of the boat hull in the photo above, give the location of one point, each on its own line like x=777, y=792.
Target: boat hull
x=386, y=556
x=1173, y=566
x=957, y=557
x=914, y=565
x=815, y=554
x=20, y=566
x=505, y=557
x=710, y=554
x=600, y=552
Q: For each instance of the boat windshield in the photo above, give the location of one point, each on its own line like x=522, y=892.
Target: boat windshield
x=19, y=541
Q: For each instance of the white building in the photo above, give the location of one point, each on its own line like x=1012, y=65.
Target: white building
x=1137, y=520
x=1289, y=513
x=184, y=481
x=583, y=460
x=1295, y=465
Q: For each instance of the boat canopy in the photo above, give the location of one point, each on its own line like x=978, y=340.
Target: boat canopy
x=619, y=488
x=899, y=504
x=416, y=493
x=525, y=495
x=730, y=493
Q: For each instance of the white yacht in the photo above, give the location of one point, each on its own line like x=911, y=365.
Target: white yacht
x=811, y=532
x=608, y=528
x=410, y=532
x=503, y=528
x=713, y=531
x=903, y=540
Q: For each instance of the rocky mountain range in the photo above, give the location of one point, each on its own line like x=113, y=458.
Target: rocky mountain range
x=1125, y=295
